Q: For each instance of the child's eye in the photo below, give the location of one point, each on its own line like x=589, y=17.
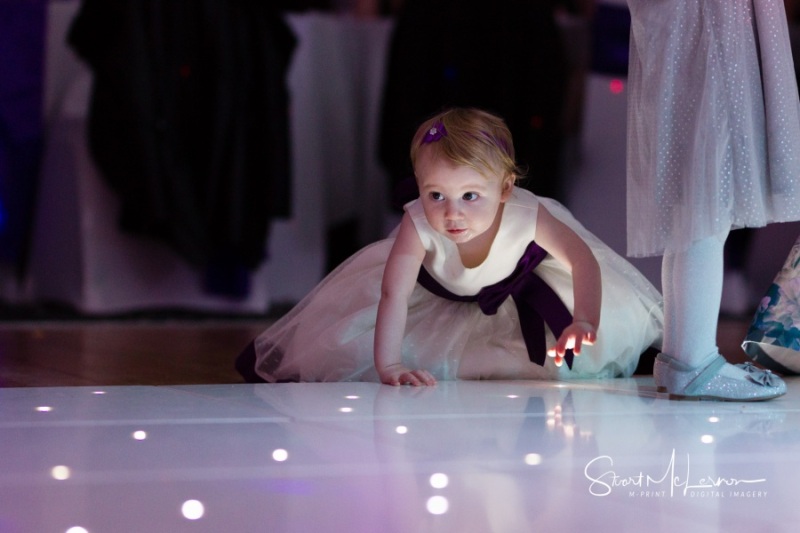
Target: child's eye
x=436, y=196
x=470, y=196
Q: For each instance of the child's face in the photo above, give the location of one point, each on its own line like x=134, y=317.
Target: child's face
x=459, y=202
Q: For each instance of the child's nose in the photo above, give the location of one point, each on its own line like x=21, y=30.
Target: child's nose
x=451, y=209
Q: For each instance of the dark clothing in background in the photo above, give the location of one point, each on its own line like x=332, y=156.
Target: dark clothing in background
x=504, y=56
x=22, y=38
x=189, y=120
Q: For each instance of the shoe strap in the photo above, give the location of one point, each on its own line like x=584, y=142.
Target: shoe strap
x=705, y=375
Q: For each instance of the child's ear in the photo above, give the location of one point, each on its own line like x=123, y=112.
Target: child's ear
x=508, y=186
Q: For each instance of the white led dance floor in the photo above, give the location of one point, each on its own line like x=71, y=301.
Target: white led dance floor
x=460, y=457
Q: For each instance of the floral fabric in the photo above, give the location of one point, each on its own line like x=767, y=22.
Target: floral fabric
x=773, y=338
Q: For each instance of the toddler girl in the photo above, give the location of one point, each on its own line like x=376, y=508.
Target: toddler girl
x=482, y=280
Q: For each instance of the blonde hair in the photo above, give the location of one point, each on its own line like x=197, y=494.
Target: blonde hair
x=469, y=137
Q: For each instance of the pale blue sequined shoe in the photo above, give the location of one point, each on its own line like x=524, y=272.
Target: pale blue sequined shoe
x=715, y=379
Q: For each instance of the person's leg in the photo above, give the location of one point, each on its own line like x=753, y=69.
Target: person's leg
x=692, y=286
x=690, y=365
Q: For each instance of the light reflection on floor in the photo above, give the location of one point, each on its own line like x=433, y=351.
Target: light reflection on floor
x=461, y=456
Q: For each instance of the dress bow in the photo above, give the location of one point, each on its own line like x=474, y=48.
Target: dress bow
x=537, y=303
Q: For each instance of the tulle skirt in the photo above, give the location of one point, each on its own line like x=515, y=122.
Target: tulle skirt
x=329, y=335
x=714, y=121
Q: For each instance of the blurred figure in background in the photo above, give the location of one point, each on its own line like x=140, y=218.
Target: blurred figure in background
x=188, y=124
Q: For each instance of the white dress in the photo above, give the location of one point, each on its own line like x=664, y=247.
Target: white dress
x=714, y=121
x=329, y=335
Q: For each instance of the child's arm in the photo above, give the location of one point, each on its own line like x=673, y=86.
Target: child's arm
x=568, y=248
x=399, y=279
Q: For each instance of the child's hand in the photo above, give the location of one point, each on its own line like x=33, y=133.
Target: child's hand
x=398, y=374
x=573, y=337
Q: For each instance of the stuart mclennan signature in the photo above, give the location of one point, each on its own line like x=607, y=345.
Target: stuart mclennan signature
x=603, y=482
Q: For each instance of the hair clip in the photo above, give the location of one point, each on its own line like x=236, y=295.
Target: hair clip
x=436, y=132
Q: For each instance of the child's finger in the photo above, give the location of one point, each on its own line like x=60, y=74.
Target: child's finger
x=576, y=349
x=557, y=359
x=399, y=379
x=410, y=379
x=586, y=339
x=426, y=377
x=571, y=341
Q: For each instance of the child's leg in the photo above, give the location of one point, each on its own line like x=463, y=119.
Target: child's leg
x=690, y=365
x=692, y=286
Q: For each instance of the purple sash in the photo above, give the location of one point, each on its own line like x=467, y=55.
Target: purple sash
x=536, y=302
